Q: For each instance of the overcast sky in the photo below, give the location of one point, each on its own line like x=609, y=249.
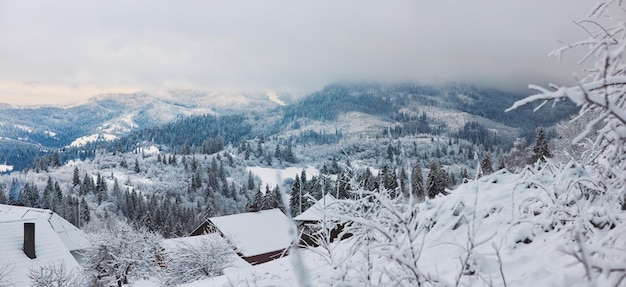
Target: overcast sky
x=59, y=52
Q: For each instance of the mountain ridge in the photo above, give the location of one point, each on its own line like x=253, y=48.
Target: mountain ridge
x=398, y=109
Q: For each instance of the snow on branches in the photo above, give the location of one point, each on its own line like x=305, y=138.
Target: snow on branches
x=602, y=90
x=195, y=260
x=118, y=253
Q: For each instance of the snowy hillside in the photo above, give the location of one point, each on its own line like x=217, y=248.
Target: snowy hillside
x=111, y=115
x=501, y=230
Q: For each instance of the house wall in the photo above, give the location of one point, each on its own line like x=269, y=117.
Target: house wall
x=265, y=257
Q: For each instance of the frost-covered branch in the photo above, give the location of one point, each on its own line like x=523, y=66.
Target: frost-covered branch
x=194, y=261
x=120, y=253
x=601, y=92
x=56, y=274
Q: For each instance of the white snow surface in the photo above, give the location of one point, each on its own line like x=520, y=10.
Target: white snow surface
x=81, y=141
x=276, y=176
x=72, y=237
x=315, y=212
x=255, y=233
x=5, y=168
x=148, y=150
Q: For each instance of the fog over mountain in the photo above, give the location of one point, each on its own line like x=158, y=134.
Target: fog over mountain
x=53, y=55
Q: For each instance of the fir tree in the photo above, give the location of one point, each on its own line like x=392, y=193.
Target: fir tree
x=30, y=195
x=485, y=166
x=437, y=180
x=76, y=177
x=417, y=182
x=137, y=168
x=118, y=196
x=85, y=214
x=288, y=154
x=46, y=199
x=501, y=164
x=278, y=155
x=269, y=201
x=343, y=186
x=256, y=203
x=470, y=152
x=251, y=184
x=101, y=190
x=3, y=197
x=540, y=150
x=14, y=192
x=295, y=201
x=57, y=198
x=388, y=178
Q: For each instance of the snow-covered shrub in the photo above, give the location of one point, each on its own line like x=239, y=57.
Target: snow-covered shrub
x=567, y=131
x=192, y=261
x=56, y=274
x=576, y=203
x=385, y=239
x=118, y=252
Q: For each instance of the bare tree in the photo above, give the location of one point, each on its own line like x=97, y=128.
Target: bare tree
x=118, y=253
x=56, y=274
x=192, y=261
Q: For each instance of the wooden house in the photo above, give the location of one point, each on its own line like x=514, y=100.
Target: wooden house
x=257, y=237
x=309, y=220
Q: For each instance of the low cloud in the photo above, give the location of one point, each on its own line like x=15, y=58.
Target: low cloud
x=278, y=45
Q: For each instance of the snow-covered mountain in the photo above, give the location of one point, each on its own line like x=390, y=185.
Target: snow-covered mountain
x=111, y=115
x=338, y=110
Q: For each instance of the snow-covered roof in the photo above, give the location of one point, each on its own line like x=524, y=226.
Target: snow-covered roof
x=314, y=213
x=49, y=248
x=73, y=238
x=255, y=233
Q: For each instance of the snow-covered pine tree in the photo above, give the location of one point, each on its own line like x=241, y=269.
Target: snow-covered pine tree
x=295, y=201
x=46, y=199
x=269, y=200
x=417, y=182
x=256, y=203
x=101, y=190
x=137, y=168
x=501, y=164
x=3, y=197
x=437, y=180
x=541, y=151
x=14, y=191
x=30, y=195
x=76, y=177
x=486, y=166
x=85, y=214
x=276, y=194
